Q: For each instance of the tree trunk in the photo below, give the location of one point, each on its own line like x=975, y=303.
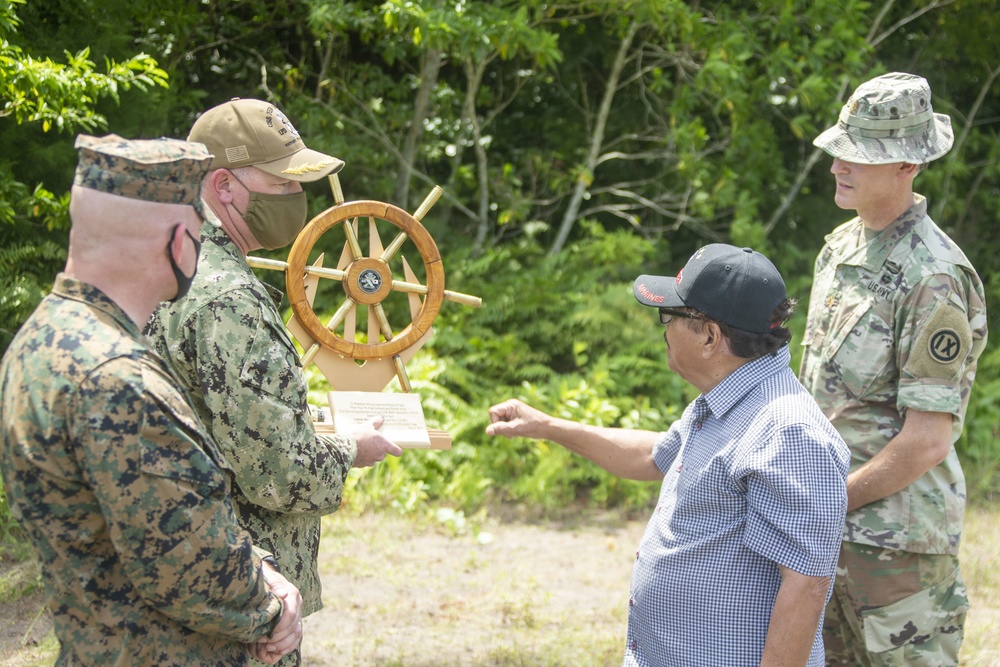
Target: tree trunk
x=428, y=81
x=474, y=77
x=596, y=141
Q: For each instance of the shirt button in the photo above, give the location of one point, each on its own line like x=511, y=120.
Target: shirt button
x=637, y=555
x=631, y=602
x=633, y=645
x=697, y=426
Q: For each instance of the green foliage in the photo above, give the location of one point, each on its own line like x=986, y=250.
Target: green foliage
x=26, y=273
x=62, y=95
x=565, y=334
x=707, y=137
x=39, y=92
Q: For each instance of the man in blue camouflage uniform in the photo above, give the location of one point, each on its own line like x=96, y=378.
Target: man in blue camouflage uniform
x=897, y=321
x=229, y=345
x=105, y=464
x=737, y=560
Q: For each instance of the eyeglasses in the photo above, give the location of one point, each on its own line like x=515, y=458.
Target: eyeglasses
x=667, y=314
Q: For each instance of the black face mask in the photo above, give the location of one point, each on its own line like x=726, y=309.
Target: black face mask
x=183, y=282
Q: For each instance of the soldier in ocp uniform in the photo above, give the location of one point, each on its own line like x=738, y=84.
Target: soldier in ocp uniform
x=105, y=464
x=897, y=322
x=229, y=345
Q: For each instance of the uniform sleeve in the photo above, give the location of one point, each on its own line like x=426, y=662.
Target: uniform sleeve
x=797, y=499
x=166, y=504
x=940, y=333
x=256, y=400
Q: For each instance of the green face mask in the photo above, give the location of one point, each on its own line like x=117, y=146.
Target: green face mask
x=275, y=220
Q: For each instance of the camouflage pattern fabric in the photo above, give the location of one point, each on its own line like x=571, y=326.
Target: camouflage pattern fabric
x=894, y=324
x=230, y=348
x=895, y=609
x=166, y=171
x=889, y=119
x=897, y=321
x=123, y=494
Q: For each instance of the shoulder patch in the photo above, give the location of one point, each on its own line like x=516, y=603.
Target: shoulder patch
x=943, y=344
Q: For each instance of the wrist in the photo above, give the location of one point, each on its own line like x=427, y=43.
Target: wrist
x=271, y=562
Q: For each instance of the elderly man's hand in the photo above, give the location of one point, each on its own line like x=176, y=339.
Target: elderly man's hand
x=514, y=418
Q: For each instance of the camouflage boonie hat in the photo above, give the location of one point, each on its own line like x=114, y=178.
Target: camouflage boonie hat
x=889, y=119
x=166, y=171
x=254, y=133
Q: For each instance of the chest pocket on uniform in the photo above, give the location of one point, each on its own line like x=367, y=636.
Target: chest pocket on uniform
x=272, y=365
x=860, y=348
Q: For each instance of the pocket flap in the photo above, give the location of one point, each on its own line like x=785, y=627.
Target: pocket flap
x=917, y=617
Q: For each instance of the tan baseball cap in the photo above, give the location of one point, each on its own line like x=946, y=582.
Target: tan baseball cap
x=254, y=133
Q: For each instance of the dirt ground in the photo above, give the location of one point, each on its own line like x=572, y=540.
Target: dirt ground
x=441, y=592
x=510, y=592
x=505, y=591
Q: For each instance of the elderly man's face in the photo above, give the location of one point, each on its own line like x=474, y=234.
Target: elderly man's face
x=682, y=345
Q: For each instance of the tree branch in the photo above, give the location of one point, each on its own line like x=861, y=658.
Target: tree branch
x=596, y=138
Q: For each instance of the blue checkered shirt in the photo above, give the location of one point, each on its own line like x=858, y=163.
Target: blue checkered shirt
x=754, y=476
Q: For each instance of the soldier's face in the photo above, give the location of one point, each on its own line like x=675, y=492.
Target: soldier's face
x=864, y=187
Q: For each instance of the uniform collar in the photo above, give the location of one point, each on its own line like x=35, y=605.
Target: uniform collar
x=213, y=233
x=77, y=290
x=873, y=254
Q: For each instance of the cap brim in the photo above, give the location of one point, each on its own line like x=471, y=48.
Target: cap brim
x=866, y=150
x=305, y=166
x=657, y=292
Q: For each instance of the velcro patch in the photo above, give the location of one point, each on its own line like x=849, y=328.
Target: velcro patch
x=943, y=344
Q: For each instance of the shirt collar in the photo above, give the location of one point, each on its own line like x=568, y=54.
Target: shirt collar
x=212, y=232
x=873, y=254
x=77, y=290
x=747, y=377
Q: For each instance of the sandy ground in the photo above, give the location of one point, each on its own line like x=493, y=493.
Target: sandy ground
x=499, y=592
x=510, y=592
x=431, y=593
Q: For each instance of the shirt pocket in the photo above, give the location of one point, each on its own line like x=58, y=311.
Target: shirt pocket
x=271, y=365
x=860, y=349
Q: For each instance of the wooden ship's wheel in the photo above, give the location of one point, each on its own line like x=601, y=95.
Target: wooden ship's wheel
x=374, y=277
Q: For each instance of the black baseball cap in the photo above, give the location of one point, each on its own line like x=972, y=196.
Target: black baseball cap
x=737, y=286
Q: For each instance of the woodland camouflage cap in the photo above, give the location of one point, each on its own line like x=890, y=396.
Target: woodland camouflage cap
x=167, y=171
x=253, y=133
x=889, y=119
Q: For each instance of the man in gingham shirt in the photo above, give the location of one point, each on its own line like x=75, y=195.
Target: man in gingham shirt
x=737, y=560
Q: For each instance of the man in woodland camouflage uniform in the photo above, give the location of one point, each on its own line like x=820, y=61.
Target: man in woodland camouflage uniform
x=229, y=344
x=897, y=321
x=105, y=464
